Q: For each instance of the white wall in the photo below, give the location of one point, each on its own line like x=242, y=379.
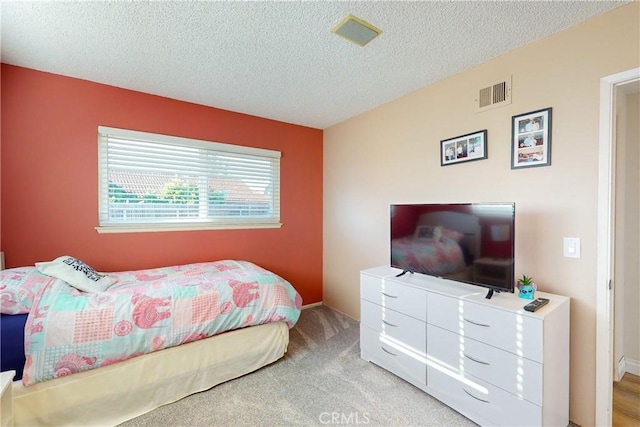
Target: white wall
x=619, y=272
x=391, y=155
x=627, y=232
x=631, y=251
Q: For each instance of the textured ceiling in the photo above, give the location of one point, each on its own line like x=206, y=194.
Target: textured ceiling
x=276, y=60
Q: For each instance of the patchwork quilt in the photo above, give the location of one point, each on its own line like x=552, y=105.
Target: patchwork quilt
x=70, y=331
x=439, y=258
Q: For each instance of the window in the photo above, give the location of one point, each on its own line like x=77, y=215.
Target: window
x=150, y=182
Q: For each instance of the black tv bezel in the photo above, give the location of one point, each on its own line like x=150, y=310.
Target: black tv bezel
x=492, y=288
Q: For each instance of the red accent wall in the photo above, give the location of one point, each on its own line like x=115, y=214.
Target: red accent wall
x=49, y=185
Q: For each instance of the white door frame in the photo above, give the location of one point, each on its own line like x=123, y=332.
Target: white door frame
x=606, y=186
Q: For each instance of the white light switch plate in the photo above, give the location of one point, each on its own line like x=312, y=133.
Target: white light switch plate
x=571, y=247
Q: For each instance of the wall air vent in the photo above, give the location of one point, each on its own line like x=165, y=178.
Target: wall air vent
x=493, y=96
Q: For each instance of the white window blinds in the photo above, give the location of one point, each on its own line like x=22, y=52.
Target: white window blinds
x=153, y=182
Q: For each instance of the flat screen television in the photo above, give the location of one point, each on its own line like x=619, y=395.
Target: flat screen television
x=466, y=242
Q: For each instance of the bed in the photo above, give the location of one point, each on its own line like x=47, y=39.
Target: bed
x=91, y=385
x=442, y=244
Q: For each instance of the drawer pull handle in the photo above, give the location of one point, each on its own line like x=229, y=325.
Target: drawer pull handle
x=475, y=360
x=389, y=324
x=477, y=398
x=476, y=323
x=387, y=351
x=389, y=296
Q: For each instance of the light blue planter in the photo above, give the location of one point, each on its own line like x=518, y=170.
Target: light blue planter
x=526, y=291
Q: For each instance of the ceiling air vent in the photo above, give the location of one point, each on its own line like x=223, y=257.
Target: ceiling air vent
x=356, y=30
x=495, y=95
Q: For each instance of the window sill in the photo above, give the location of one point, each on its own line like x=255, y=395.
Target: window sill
x=139, y=228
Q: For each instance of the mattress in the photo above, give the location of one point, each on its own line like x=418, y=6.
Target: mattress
x=440, y=258
x=116, y=393
x=12, y=343
x=70, y=331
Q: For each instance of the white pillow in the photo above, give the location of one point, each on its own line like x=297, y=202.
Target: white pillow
x=76, y=273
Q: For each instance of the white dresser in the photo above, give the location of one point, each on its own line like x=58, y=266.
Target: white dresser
x=488, y=359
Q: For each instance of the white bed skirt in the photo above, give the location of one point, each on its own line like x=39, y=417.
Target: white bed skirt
x=125, y=390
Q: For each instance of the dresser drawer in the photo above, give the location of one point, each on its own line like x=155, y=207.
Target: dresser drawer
x=510, y=331
x=403, y=330
x=520, y=376
x=394, y=296
x=403, y=362
x=474, y=397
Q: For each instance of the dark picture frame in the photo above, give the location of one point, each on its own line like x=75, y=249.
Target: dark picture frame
x=531, y=139
x=464, y=148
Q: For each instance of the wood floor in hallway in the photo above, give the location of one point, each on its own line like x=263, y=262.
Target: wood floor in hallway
x=626, y=401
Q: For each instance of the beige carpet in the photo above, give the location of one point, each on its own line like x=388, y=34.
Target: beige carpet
x=320, y=381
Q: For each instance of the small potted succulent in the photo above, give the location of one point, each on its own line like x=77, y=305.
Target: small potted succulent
x=526, y=287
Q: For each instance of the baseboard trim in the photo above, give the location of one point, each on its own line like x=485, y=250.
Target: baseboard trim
x=314, y=304
x=632, y=366
x=317, y=304
x=344, y=314
x=621, y=369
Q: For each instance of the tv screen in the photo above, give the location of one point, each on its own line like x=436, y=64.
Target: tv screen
x=467, y=242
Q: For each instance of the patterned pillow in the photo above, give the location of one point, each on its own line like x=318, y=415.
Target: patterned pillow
x=76, y=273
x=18, y=288
x=428, y=233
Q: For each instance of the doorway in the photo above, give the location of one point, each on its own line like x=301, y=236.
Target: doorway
x=612, y=89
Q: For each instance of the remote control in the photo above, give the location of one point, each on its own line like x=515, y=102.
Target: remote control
x=536, y=304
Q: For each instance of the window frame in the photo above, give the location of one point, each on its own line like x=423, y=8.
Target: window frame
x=106, y=226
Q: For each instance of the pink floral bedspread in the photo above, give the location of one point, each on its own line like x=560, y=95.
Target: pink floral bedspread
x=69, y=331
x=437, y=258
